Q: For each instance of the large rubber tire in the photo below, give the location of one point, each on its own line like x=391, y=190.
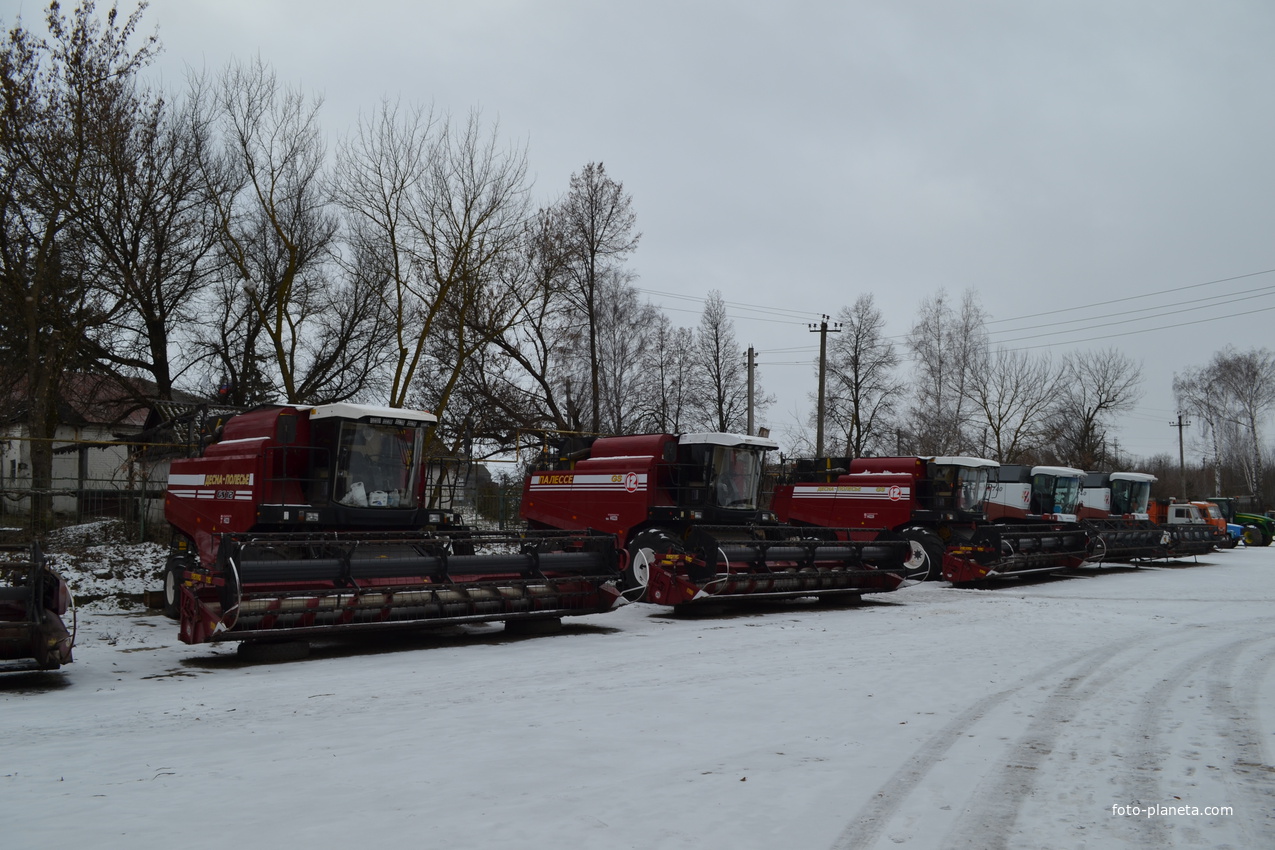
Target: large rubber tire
x=933, y=547
x=1253, y=536
x=644, y=548
x=173, y=578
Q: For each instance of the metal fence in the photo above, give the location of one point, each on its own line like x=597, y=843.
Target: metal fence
x=139, y=506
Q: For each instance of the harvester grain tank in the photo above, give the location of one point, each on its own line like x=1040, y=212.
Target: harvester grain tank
x=1034, y=510
x=687, y=507
x=313, y=521
x=1113, y=509
x=936, y=503
x=33, y=600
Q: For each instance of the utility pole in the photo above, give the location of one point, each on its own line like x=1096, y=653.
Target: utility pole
x=822, y=329
x=1180, y=425
x=752, y=362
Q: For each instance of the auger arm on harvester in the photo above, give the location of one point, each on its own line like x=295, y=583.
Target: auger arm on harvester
x=302, y=521
x=687, y=508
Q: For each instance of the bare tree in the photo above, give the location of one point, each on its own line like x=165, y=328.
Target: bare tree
x=1013, y=394
x=946, y=344
x=598, y=220
x=61, y=98
x=721, y=403
x=863, y=387
x=151, y=236
x=1095, y=386
x=670, y=386
x=439, y=212
x=624, y=327
x=1232, y=395
x=293, y=327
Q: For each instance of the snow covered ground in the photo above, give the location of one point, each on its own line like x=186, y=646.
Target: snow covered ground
x=932, y=717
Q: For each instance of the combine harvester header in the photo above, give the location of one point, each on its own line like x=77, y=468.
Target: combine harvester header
x=304, y=521
x=1113, y=509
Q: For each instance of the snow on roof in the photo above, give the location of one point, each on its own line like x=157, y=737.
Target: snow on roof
x=718, y=438
x=347, y=410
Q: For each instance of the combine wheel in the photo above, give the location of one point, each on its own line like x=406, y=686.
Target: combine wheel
x=273, y=652
x=644, y=549
x=173, y=577
x=932, y=547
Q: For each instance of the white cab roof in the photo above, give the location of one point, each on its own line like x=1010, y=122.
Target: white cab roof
x=717, y=438
x=347, y=410
x=964, y=461
x=1058, y=470
x=1133, y=476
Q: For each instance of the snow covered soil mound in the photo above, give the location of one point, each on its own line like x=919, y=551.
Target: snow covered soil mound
x=103, y=570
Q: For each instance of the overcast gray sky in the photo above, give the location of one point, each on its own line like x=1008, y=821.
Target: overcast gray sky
x=1050, y=155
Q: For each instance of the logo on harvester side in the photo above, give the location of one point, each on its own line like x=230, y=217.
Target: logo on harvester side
x=896, y=493
x=631, y=482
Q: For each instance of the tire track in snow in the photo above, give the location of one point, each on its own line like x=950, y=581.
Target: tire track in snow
x=996, y=802
x=1234, y=705
x=868, y=824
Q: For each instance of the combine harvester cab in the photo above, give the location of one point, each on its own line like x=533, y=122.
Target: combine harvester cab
x=1190, y=533
x=313, y=521
x=1113, y=509
x=687, y=508
x=33, y=601
x=934, y=503
x=1032, y=510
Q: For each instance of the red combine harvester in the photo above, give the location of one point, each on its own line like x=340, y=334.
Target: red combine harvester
x=1034, y=510
x=303, y=521
x=936, y=503
x=33, y=600
x=1113, y=509
x=687, y=508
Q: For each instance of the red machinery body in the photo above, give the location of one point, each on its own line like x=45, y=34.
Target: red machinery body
x=33, y=601
x=1113, y=509
x=687, y=509
x=301, y=521
x=936, y=503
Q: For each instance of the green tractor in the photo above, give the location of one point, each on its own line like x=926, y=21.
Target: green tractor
x=1259, y=529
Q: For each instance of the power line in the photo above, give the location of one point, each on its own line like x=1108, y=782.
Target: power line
x=1133, y=297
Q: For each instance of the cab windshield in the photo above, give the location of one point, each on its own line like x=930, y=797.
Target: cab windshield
x=971, y=487
x=1053, y=494
x=376, y=465
x=1130, y=497
x=736, y=477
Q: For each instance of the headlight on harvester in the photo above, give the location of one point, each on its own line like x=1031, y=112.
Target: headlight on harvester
x=435, y=519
